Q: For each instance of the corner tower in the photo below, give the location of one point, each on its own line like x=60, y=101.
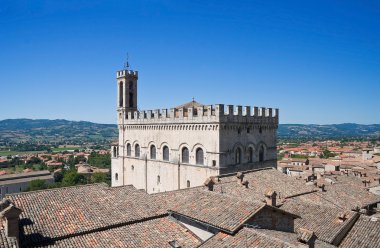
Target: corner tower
x=126, y=102
x=126, y=90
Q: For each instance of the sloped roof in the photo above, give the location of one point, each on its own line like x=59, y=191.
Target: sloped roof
x=152, y=233
x=210, y=207
x=365, y=233
x=249, y=237
x=259, y=181
x=57, y=213
x=191, y=104
x=322, y=220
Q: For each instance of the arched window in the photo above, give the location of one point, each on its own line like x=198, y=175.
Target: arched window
x=116, y=176
x=133, y=167
x=261, y=153
x=185, y=155
x=129, y=94
x=165, y=153
x=137, y=151
x=238, y=156
x=188, y=183
x=128, y=149
x=158, y=179
x=250, y=154
x=152, y=152
x=199, y=156
x=121, y=94
x=114, y=152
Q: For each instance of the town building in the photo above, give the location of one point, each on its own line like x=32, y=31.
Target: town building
x=15, y=183
x=170, y=149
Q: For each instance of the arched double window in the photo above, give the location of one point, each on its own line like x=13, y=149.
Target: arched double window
x=250, y=154
x=185, y=155
x=261, y=153
x=137, y=151
x=152, y=152
x=199, y=159
x=128, y=149
x=165, y=153
x=238, y=156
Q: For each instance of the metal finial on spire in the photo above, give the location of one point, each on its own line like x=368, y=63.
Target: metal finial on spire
x=126, y=65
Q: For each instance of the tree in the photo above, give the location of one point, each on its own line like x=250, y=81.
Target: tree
x=326, y=154
x=73, y=178
x=100, y=160
x=34, y=160
x=99, y=177
x=58, y=177
x=37, y=184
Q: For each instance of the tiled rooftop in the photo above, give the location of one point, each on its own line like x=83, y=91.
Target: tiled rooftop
x=69, y=211
x=152, y=233
x=365, y=233
x=249, y=237
x=221, y=211
x=322, y=220
x=259, y=182
x=344, y=195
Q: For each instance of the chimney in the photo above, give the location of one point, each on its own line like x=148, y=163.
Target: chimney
x=240, y=177
x=270, y=197
x=245, y=183
x=174, y=244
x=366, y=182
x=342, y=217
x=210, y=183
x=321, y=187
x=10, y=217
x=306, y=238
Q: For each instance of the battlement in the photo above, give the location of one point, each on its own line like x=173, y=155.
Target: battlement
x=124, y=73
x=208, y=113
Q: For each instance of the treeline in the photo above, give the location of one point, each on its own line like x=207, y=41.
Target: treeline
x=69, y=178
x=99, y=160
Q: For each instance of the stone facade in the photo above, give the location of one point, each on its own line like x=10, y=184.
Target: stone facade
x=164, y=150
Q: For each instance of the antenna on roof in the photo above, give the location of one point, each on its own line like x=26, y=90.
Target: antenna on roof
x=193, y=101
x=126, y=65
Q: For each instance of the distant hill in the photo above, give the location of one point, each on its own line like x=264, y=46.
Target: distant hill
x=313, y=131
x=82, y=132
x=56, y=131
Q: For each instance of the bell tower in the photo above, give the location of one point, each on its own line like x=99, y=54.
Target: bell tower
x=126, y=91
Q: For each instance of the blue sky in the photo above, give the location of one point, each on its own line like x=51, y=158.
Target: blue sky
x=318, y=61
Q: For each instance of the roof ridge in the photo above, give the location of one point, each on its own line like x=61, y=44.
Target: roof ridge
x=58, y=188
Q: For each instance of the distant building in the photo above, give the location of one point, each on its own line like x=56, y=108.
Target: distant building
x=367, y=154
x=15, y=183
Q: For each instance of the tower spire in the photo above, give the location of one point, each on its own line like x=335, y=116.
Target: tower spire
x=126, y=65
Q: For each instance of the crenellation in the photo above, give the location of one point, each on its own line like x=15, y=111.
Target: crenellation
x=238, y=111
x=208, y=113
x=230, y=110
x=247, y=111
x=200, y=111
x=256, y=111
x=123, y=73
